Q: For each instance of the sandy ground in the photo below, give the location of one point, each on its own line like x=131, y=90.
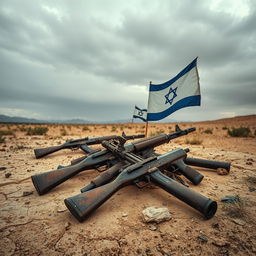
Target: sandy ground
x=41, y=225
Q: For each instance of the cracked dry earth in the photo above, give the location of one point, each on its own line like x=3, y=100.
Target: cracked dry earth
x=41, y=225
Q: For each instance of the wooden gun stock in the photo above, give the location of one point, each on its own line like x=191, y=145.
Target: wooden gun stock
x=46, y=181
x=83, y=204
x=41, y=152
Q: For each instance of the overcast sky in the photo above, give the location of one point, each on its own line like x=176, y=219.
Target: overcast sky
x=94, y=59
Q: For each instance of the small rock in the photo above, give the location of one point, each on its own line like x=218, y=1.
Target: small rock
x=230, y=199
x=152, y=227
x=249, y=163
x=7, y=175
x=222, y=171
x=27, y=193
x=67, y=225
x=203, y=238
x=239, y=222
x=251, y=189
x=216, y=226
x=215, y=187
x=2, y=168
x=156, y=214
x=62, y=208
x=124, y=214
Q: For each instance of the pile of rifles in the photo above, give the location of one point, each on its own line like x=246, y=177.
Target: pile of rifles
x=121, y=164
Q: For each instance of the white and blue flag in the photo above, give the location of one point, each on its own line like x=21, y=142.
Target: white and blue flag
x=140, y=113
x=181, y=91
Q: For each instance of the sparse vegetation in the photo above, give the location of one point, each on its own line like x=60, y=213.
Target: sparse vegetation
x=194, y=141
x=86, y=128
x=224, y=128
x=235, y=209
x=113, y=129
x=2, y=139
x=6, y=132
x=251, y=179
x=63, y=132
x=37, y=130
x=157, y=132
x=239, y=132
x=208, y=131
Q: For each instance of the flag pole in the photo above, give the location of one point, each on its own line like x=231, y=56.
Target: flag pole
x=146, y=128
x=146, y=131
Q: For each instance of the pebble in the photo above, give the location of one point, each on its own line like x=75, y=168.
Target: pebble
x=156, y=214
x=67, y=225
x=2, y=168
x=7, y=175
x=203, y=238
x=222, y=171
x=239, y=222
x=230, y=199
x=124, y=214
x=27, y=193
x=152, y=227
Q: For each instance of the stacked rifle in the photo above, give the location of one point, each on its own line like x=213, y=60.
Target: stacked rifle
x=125, y=164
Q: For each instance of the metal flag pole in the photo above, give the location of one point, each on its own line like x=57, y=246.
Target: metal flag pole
x=146, y=128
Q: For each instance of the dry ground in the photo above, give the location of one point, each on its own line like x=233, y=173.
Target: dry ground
x=41, y=225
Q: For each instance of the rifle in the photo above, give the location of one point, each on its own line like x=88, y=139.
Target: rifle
x=46, y=181
x=82, y=144
x=116, y=147
x=83, y=204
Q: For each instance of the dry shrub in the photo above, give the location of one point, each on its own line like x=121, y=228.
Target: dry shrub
x=6, y=132
x=194, y=141
x=239, y=132
x=2, y=139
x=235, y=209
x=37, y=131
x=251, y=179
x=208, y=131
x=157, y=132
x=86, y=128
x=63, y=132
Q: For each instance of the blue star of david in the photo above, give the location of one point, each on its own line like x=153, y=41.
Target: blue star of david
x=170, y=95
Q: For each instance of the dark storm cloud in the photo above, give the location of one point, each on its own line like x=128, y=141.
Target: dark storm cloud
x=61, y=57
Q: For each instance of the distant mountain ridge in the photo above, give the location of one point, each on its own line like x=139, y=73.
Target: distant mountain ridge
x=18, y=119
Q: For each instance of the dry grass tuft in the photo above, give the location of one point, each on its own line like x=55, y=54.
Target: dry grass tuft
x=194, y=141
x=235, y=209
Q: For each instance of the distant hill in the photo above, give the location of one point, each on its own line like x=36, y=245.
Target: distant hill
x=17, y=119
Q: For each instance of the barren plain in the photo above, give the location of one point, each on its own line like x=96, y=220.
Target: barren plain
x=41, y=225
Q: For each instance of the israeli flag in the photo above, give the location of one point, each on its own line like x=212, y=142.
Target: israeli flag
x=181, y=91
x=140, y=113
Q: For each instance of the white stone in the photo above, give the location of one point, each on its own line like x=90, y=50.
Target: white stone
x=156, y=214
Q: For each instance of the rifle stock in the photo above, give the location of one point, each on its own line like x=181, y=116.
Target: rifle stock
x=83, y=204
x=46, y=181
x=41, y=152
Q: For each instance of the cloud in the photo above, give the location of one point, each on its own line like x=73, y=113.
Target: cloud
x=94, y=59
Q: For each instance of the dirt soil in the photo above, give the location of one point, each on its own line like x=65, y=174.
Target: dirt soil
x=41, y=225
